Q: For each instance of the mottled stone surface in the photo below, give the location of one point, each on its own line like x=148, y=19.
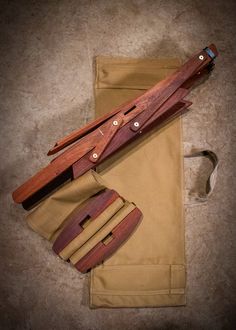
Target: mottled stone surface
x=47, y=50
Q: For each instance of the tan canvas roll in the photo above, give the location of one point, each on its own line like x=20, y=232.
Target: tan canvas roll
x=149, y=270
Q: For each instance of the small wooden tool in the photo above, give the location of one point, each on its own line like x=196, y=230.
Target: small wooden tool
x=85, y=223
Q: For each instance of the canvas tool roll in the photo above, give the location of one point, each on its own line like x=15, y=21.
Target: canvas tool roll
x=149, y=270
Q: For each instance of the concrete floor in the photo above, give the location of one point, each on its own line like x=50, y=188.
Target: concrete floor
x=47, y=51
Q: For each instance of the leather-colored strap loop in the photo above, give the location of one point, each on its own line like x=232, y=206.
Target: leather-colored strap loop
x=196, y=198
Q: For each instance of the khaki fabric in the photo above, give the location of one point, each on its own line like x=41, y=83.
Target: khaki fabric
x=149, y=269
x=50, y=216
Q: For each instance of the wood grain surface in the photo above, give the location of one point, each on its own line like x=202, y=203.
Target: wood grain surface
x=117, y=237
x=90, y=211
x=100, y=143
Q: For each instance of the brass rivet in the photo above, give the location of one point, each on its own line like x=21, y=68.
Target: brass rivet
x=95, y=156
x=115, y=123
x=201, y=57
x=136, y=124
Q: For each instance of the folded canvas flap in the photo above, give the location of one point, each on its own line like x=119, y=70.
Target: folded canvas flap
x=159, y=279
x=149, y=270
x=48, y=218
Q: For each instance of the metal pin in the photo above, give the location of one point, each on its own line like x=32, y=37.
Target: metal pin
x=100, y=131
x=95, y=155
x=201, y=57
x=136, y=124
x=115, y=123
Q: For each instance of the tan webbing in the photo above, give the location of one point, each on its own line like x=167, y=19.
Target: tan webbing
x=149, y=270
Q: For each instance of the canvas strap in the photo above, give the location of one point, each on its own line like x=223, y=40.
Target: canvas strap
x=194, y=197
